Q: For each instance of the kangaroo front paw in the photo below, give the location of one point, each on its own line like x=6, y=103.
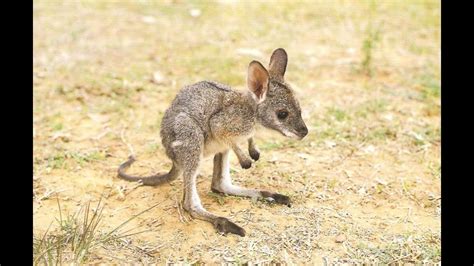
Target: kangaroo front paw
x=223, y=225
x=254, y=154
x=246, y=164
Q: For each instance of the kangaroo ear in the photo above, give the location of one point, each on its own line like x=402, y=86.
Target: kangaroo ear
x=278, y=63
x=257, y=81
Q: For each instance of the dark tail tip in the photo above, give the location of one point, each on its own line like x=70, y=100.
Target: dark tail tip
x=131, y=159
x=126, y=164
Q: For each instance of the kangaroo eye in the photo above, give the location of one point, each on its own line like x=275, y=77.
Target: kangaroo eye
x=282, y=114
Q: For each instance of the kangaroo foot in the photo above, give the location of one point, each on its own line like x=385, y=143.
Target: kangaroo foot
x=277, y=198
x=224, y=226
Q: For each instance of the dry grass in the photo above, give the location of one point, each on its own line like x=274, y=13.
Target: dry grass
x=365, y=181
x=76, y=235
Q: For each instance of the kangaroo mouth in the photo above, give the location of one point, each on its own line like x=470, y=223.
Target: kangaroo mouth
x=290, y=134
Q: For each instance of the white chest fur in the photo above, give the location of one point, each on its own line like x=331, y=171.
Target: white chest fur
x=213, y=146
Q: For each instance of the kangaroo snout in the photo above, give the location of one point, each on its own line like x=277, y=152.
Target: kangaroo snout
x=302, y=132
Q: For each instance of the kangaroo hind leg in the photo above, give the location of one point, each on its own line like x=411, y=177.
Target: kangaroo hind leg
x=188, y=156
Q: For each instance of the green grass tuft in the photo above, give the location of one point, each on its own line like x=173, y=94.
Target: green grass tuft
x=76, y=235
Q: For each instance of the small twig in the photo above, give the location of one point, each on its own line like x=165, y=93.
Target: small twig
x=145, y=251
x=400, y=258
x=125, y=190
x=348, y=249
x=331, y=209
x=325, y=259
x=182, y=218
x=47, y=195
x=101, y=135
x=130, y=148
x=137, y=184
x=408, y=215
x=119, y=209
x=408, y=193
x=204, y=234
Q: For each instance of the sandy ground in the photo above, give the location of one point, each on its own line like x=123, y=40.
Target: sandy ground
x=365, y=182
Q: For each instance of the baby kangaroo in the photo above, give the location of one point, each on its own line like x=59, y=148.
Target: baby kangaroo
x=210, y=119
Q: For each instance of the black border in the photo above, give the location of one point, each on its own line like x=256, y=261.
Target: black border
x=17, y=116
x=456, y=136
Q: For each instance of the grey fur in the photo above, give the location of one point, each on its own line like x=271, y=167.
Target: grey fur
x=210, y=119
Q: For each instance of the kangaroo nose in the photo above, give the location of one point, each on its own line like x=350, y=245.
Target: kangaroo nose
x=303, y=131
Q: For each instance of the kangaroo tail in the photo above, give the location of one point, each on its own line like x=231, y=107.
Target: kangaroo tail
x=152, y=180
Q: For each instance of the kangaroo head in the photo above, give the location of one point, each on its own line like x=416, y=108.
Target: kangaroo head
x=277, y=107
